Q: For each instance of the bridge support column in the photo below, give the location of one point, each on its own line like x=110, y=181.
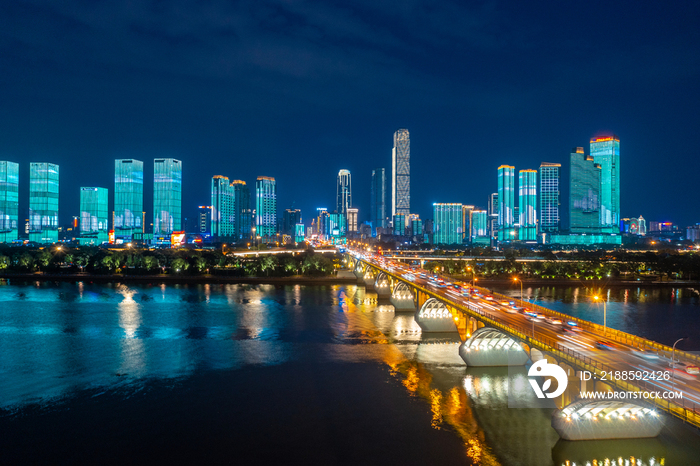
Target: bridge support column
x=490, y=347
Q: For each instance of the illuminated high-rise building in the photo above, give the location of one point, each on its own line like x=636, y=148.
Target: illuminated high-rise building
x=527, y=201
x=9, y=201
x=352, y=219
x=479, y=224
x=128, y=198
x=399, y=224
x=606, y=153
x=401, y=173
x=204, y=219
x=43, y=202
x=343, y=192
x=243, y=213
x=506, y=203
x=584, y=193
x=167, y=196
x=94, y=215
x=265, y=207
x=378, y=211
x=493, y=215
x=448, y=223
x=549, y=197
x=222, y=208
x=467, y=222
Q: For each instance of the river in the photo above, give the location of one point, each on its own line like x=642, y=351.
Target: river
x=263, y=374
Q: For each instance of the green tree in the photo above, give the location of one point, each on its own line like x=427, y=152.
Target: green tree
x=179, y=265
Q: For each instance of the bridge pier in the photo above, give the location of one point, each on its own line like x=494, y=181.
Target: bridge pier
x=490, y=347
x=434, y=316
x=402, y=298
x=606, y=419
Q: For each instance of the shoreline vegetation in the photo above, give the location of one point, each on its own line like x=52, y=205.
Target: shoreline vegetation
x=304, y=266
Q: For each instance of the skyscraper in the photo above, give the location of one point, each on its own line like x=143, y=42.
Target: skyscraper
x=527, y=201
x=467, y=222
x=506, y=203
x=606, y=153
x=493, y=216
x=167, y=196
x=479, y=225
x=378, y=213
x=265, y=207
x=584, y=193
x=401, y=173
x=343, y=193
x=290, y=219
x=242, y=210
x=448, y=223
x=9, y=201
x=204, y=219
x=352, y=219
x=94, y=215
x=43, y=202
x=549, y=197
x=222, y=208
x=399, y=224
x=128, y=198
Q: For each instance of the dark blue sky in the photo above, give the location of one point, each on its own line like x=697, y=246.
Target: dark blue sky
x=298, y=90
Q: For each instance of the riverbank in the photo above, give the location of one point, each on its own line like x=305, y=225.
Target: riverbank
x=178, y=279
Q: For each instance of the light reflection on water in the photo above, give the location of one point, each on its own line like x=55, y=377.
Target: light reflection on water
x=56, y=339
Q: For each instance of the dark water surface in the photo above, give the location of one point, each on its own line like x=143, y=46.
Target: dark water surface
x=223, y=374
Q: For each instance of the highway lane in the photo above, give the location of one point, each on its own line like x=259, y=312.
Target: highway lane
x=622, y=358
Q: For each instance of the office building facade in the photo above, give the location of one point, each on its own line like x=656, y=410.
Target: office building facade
x=584, y=193
x=527, y=201
x=352, y=219
x=222, y=208
x=94, y=216
x=378, y=211
x=506, y=203
x=467, y=222
x=606, y=153
x=492, y=208
x=343, y=192
x=43, y=202
x=9, y=201
x=290, y=219
x=204, y=219
x=399, y=224
x=549, y=221
x=128, y=198
x=167, y=196
x=243, y=213
x=448, y=223
x=401, y=173
x=479, y=224
x=265, y=207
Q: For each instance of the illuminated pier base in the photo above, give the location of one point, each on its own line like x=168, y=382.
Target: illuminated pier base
x=603, y=420
x=489, y=347
x=434, y=316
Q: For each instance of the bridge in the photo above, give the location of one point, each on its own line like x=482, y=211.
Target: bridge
x=494, y=334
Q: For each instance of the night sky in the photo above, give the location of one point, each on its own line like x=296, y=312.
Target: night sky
x=298, y=90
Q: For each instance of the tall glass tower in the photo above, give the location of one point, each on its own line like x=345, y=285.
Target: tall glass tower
x=222, y=207
x=94, y=215
x=467, y=222
x=265, y=207
x=527, y=197
x=43, y=202
x=506, y=203
x=242, y=212
x=128, y=198
x=448, y=223
x=378, y=212
x=606, y=153
x=167, y=196
x=401, y=173
x=9, y=201
x=479, y=224
x=549, y=197
x=584, y=193
x=493, y=215
x=343, y=193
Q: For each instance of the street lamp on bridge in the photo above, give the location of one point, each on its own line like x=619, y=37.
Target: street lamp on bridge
x=516, y=279
x=605, y=313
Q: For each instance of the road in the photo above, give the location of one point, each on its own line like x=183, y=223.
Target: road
x=623, y=358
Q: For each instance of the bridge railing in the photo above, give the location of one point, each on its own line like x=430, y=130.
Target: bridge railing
x=610, y=333
x=684, y=409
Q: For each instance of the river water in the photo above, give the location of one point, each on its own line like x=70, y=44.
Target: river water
x=221, y=374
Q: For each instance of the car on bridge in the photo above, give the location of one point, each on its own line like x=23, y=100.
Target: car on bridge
x=553, y=320
x=606, y=345
x=687, y=368
x=646, y=354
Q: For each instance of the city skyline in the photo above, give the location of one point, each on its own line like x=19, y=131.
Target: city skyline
x=308, y=109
